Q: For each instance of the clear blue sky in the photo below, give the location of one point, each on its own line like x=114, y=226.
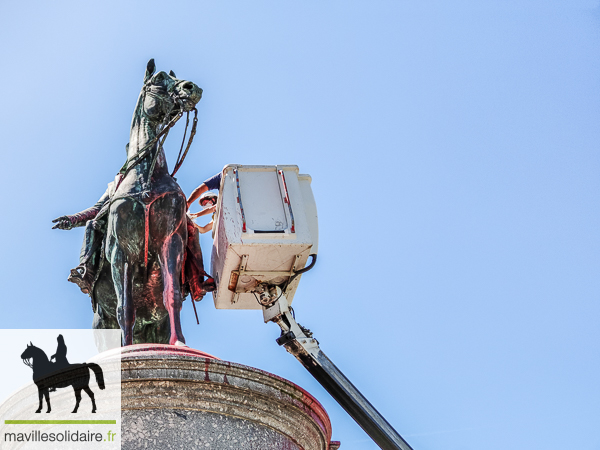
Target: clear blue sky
x=454, y=153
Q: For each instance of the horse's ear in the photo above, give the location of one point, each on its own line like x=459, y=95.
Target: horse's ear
x=172, y=74
x=150, y=68
x=30, y=344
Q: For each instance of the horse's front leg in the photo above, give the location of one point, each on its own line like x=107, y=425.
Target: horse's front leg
x=171, y=261
x=125, y=241
x=40, y=395
x=47, y=396
x=122, y=272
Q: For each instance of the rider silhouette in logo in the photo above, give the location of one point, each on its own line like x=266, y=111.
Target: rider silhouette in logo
x=60, y=357
x=48, y=375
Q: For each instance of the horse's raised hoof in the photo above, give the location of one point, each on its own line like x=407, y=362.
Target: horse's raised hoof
x=39, y=411
x=93, y=411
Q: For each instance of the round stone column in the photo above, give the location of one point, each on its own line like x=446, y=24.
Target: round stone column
x=179, y=398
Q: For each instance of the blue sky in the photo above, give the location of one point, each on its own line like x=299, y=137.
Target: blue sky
x=454, y=153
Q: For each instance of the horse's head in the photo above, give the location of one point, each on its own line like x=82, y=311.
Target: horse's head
x=167, y=95
x=30, y=352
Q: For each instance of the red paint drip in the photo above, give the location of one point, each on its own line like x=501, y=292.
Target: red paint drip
x=146, y=233
x=183, y=270
x=225, y=380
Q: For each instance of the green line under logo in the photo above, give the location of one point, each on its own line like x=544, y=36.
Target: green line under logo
x=60, y=422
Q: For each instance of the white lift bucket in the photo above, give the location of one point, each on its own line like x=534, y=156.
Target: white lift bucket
x=265, y=228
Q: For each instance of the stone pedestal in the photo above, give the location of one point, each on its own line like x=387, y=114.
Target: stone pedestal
x=180, y=398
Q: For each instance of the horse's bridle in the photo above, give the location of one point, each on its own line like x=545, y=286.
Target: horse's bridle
x=139, y=156
x=178, y=101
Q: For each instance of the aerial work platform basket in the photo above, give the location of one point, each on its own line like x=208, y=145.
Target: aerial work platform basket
x=264, y=231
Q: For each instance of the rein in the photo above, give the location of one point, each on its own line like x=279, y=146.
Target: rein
x=180, y=158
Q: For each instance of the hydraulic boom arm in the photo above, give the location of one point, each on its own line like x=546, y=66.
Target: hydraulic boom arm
x=300, y=343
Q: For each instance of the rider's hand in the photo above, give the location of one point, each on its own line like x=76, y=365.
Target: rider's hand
x=63, y=223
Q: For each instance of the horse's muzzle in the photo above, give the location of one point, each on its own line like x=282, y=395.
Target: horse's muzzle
x=189, y=94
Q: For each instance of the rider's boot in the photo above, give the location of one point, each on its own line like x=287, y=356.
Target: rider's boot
x=83, y=276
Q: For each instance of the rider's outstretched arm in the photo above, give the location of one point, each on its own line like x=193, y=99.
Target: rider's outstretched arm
x=80, y=219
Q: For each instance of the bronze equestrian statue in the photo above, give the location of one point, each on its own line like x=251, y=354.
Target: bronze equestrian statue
x=141, y=254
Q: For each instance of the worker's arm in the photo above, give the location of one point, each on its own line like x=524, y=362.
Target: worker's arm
x=196, y=193
x=205, y=211
x=205, y=229
x=212, y=183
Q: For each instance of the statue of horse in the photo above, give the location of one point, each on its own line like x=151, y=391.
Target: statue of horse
x=137, y=284
x=48, y=375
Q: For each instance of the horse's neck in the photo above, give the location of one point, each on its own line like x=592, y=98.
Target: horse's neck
x=144, y=132
x=40, y=361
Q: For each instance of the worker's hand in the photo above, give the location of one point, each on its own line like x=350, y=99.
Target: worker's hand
x=63, y=223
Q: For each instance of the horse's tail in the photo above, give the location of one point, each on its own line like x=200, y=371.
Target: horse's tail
x=98, y=372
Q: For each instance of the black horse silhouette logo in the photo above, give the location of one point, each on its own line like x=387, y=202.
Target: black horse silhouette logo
x=48, y=375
